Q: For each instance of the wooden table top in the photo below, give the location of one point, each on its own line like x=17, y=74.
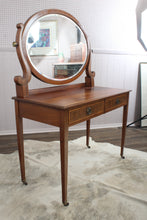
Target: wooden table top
x=65, y=97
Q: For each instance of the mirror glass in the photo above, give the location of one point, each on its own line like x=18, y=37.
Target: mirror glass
x=56, y=47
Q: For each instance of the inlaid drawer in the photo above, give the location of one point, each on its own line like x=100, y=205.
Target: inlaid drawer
x=115, y=102
x=85, y=112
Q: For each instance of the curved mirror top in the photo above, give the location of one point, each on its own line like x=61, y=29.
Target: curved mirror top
x=56, y=47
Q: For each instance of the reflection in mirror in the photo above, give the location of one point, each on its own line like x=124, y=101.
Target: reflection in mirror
x=56, y=47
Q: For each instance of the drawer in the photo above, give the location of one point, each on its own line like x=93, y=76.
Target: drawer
x=86, y=112
x=115, y=102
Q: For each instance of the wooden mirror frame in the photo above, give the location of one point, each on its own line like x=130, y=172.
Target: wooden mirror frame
x=28, y=68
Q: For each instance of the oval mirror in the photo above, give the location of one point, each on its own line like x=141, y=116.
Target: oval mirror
x=56, y=46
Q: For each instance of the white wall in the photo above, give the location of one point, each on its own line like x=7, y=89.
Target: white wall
x=111, y=29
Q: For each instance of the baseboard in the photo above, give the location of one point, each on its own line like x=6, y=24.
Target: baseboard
x=55, y=129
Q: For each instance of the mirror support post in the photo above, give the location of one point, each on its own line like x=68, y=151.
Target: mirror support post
x=21, y=81
x=89, y=79
x=22, y=90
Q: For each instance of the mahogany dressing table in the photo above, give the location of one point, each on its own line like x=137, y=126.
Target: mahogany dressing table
x=38, y=44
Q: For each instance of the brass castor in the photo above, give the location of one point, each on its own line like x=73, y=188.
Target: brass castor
x=66, y=204
x=24, y=182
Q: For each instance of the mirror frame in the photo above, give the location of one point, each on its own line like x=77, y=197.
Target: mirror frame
x=26, y=28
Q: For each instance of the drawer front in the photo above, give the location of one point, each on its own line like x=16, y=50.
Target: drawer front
x=86, y=112
x=115, y=102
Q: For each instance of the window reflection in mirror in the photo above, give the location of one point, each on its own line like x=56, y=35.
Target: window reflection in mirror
x=56, y=47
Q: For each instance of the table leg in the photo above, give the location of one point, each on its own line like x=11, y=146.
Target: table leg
x=64, y=161
x=87, y=132
x=20, y=142
x=125, y=113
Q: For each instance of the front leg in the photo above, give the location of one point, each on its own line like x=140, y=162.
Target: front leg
x=64, y=159
x=20, y=142
x=87, y=132
x=125, y=113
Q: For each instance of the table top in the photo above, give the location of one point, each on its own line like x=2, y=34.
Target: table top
x=65, y=97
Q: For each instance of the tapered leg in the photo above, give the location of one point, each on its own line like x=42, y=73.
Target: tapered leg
x=125, y=113
x=64, y=161
x=87, y=133
x=20, y=142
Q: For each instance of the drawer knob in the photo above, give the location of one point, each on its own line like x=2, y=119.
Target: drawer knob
x=88, y=111
x=117, y=101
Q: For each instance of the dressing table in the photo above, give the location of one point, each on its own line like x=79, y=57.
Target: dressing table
x=38, y=44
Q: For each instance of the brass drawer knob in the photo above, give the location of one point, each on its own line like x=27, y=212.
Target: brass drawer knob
x=89, y=111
